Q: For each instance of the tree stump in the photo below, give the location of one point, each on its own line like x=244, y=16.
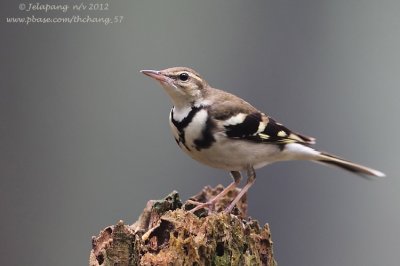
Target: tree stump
x=166, y=233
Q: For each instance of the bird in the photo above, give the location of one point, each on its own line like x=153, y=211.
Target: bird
x=223, y=131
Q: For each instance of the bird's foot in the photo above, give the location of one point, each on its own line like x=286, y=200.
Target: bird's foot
x=230, y=207
x=208, y=206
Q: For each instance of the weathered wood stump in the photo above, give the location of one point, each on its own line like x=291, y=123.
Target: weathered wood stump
x=166, y=233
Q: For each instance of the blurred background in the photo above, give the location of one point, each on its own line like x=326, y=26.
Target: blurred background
x=85, y=141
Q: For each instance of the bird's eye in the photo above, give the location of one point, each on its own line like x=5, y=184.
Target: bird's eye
x=184, y=76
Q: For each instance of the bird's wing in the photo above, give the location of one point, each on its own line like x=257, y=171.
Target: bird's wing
x=247, y=123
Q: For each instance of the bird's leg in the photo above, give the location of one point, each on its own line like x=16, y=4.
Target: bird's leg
x=236, y=180
x=251, y=177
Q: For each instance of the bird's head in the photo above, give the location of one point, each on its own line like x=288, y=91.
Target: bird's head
x=183, y=85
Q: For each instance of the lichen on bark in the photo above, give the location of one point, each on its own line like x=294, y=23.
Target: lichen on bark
x=166, y=233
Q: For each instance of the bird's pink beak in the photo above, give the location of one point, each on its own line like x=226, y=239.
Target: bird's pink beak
x=157, y=75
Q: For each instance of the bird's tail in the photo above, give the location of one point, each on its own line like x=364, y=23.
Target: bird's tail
x=329, y=159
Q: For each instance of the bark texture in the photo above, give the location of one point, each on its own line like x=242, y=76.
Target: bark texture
x=166, y=233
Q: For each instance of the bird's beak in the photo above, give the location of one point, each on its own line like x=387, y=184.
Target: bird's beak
x=155, y=75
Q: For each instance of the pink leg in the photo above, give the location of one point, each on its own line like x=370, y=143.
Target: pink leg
x=251, y=177
x=236, y=180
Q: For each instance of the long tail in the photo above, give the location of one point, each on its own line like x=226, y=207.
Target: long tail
x=329, y=159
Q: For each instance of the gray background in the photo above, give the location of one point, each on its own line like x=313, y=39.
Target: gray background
x=84, y=137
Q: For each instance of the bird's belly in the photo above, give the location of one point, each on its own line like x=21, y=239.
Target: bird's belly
x=235, y=155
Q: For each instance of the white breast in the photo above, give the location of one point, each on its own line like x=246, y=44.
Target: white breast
x=195, y=128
